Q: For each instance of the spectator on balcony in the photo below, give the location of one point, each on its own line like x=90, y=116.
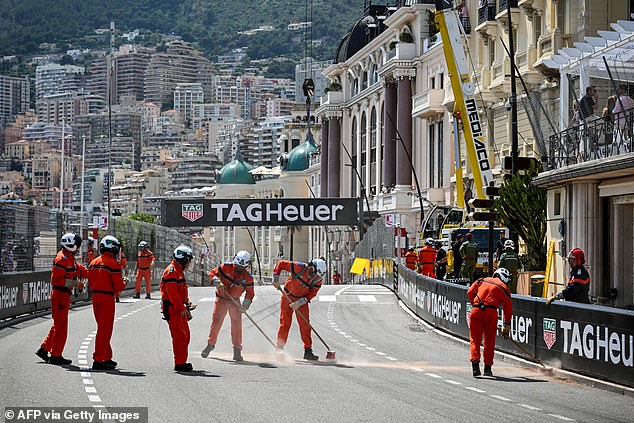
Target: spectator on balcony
x=463, y=13
x=588, y=102
x=576, y=117
x=623, y=103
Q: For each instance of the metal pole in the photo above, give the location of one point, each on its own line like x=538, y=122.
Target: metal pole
x=109, y=74
x=513, y=98
x=81, y=196
x=61, y=171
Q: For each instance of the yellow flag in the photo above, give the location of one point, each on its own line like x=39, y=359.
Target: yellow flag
x=359, y=265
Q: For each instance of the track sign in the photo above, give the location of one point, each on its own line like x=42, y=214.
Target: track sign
x=487, y=216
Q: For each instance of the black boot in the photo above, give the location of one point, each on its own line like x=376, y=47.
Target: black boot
x=186, y=367
x=205, y=353
x=102, y=365
x=308, y=355
x=137, y=295
x=117, y=300
x=237, y=356
x=59, y=360
x=487, y=371
x=476, y=369
x=111, y=362
x=148, y=296
x=43, y=354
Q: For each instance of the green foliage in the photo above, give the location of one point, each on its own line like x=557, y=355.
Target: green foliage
x=406, y=37
x=142, y=217
x=213, y=24
x=521, y=207
x=393, y=44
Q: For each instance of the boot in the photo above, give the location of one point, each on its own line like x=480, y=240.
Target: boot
x=137, y=295
x=148, y=296
x=237, y=356
x=185, y=367
x=43, y=354
x=205, y=353
x=102, y=365
x=111, y=363
x=476, y=369
x=487, y=371
x=59, y=360
x=308, y=355
x=117, y=300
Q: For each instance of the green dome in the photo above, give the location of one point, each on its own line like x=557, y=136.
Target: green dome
x=299, y=157
x=236, y=172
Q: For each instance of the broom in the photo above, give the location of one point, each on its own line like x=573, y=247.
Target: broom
x=330, y=355
x=254, y=324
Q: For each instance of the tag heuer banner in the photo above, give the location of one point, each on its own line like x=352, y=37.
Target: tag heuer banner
x=260, y=212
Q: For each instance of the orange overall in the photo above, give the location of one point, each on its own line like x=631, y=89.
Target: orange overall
x=410, y=260
x=174, y=295
x=144, y=259
x=104, y=279
x=64, y=267
x=485, y=296
x=302, y=283
x=235, y=284
x=124, y=266
x=427, y=260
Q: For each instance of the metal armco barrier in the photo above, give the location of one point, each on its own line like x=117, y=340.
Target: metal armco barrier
x=29, y=292
x=593, y=340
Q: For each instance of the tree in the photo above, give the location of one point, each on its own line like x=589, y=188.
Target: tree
x=521, y=207
x=142, y=217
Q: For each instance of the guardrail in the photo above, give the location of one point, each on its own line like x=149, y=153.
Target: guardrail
x=30, y=292
x=593, y=340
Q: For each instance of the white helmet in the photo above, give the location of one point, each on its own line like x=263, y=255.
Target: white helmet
x=320, y=266
x=502, y=274
x=429, y=241
x=242, y=258
x=183, y=253
x=509, y=243
x=110, y=244
x=70, y=241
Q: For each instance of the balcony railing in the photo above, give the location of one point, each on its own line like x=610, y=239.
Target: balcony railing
x=466, y=24
x=503, y=4
x=595, y=139
x=486, y=13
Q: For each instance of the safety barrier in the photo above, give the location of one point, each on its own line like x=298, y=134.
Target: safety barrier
x=30, y=292
x=593, y=340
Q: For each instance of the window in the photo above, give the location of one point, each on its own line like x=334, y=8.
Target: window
x=373, y=129
x=432, y=83
x=432, y=153
x=557, y=204
x=491, y=52
x=353, y=165
x=364, y=148
x=441, y=81
x=441, y=181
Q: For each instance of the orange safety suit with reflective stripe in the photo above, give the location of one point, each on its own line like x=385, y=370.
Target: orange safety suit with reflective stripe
x=124, y=266
x=578, y=285
x=104, y=279
x=174, y=295
x=91, y=255
x=410, y=260
x=235, y=284
x=486, y=295
x=144, y=261
x=427, y=260
x=302, y=283
x=65, y=266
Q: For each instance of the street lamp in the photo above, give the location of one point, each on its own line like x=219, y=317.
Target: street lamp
x=61, y=172
x=81, y=196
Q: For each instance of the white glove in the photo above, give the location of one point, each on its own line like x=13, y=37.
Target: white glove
x=297, y=304
x=245, y=305
x=215, y=281
x=276, y=281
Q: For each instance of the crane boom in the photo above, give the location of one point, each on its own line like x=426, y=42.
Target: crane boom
x=464, y=93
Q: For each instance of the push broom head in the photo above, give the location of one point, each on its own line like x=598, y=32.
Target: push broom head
x=331, y=355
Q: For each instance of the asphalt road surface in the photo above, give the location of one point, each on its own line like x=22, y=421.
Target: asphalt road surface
x=389, y=368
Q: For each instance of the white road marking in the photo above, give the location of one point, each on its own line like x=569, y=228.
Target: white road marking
x=81, y=355
x=391, y=358
x=501, y=398
x=367, y=298
x=84, y=362
x=434, y=375
x=370, y=349
x=557, y=416
x=347, y=336
x=342, y=289
x=325, y=298
x=354, y=340
x=91, y=389
x=453, y=382
x=530, y=407
x=362, y=345
x=88, y=381
x=417, y=369
x=85, y=374
x=341, y=332
x=471, y=388
x=94, y=398
x=379, y=353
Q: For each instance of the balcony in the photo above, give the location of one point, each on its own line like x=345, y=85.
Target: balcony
x=595, y=139
x=428, y=103
x=486, y=14
x=502, y=13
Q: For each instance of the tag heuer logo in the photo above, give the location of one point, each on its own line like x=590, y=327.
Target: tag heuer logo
x=550, y=332
x=192, y=212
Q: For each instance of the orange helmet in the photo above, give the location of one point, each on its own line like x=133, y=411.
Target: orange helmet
x=578, y=254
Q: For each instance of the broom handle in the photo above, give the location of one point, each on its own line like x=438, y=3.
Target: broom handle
x=253, y=321
x=518, y=345
x=300, y=314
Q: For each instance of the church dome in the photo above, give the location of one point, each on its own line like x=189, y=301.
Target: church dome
x=236, y=172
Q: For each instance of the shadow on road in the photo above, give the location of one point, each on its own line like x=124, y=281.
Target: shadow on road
x=115, y=372
x=246, y=363
x=521, y=379
x=198, y=373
